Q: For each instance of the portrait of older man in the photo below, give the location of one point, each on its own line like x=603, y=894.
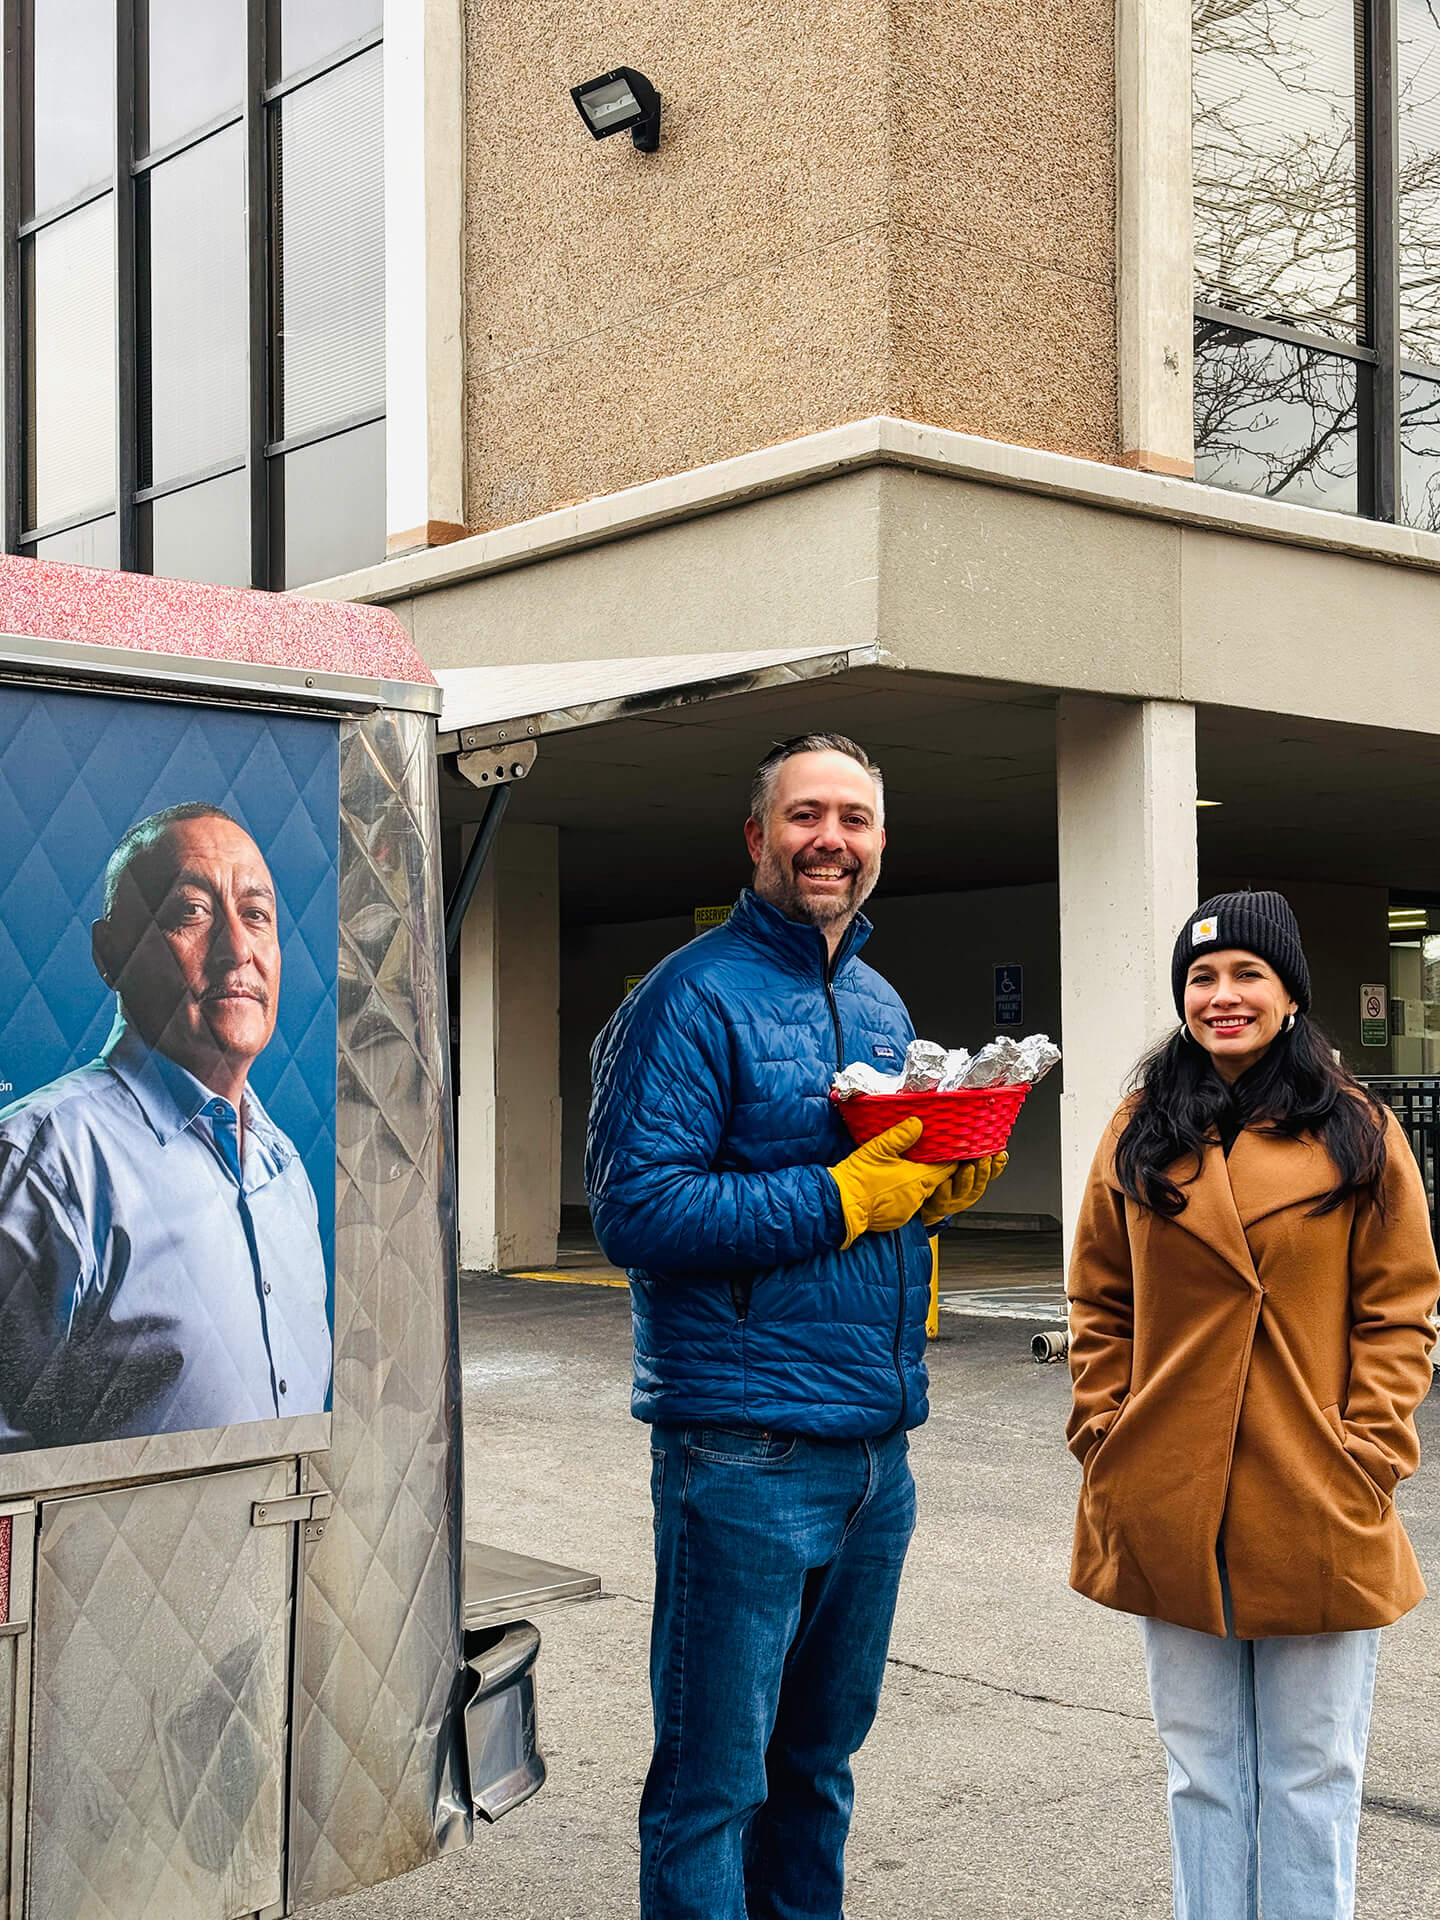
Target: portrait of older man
x=161, y=1267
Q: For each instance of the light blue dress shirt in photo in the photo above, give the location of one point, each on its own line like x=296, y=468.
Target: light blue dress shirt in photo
x=153, y=1278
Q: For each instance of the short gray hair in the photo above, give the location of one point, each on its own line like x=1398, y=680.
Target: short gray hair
x=144, y=834
x=762, y=787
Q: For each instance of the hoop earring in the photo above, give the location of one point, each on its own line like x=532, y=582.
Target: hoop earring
x=1290, y=1024
x=1185, y=1034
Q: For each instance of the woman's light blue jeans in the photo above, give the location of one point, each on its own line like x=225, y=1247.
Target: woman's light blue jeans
x=1266, y=1744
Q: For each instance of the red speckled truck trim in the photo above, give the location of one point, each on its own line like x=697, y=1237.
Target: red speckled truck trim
x=43, y=599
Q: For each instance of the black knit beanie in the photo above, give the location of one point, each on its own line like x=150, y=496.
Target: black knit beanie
x=1261, y=923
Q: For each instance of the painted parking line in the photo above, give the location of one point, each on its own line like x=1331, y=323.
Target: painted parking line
x=1044, y=1304
x=568, y=1279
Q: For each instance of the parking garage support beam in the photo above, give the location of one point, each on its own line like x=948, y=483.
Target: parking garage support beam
x=508, y=1123
x=1125, y=775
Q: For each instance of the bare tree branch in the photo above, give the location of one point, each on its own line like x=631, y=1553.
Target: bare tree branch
x=1280, y=236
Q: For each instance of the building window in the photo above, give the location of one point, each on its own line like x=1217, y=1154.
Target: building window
x=1317, y=252
x=196, y=286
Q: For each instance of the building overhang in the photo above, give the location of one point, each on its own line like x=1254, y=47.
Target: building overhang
x=880, y=441
x=959, y=556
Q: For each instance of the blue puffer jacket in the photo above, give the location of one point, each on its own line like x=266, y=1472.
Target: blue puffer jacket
x=711, y=1131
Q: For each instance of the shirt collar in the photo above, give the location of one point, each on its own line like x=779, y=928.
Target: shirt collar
x=169, y=1096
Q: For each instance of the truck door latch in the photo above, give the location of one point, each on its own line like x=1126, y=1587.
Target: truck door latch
x=313, y=1509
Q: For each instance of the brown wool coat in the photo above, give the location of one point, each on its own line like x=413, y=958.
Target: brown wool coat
x=1244, y=1371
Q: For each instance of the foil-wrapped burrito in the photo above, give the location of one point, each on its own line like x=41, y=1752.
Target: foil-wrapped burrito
x=1011, y=1063
x=957, y=1065
x=924, y=1067
x=861, y=1077
x=930, y=1068
x=994, y=1066
x=1038, y=1054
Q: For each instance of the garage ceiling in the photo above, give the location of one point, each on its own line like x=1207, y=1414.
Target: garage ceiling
x=650, y=808
x=1310, y=800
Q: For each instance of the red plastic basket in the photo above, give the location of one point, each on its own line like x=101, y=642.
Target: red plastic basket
x=965, y=1125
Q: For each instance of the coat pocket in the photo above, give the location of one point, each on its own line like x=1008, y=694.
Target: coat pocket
x=1336, y=1424
x=1088, y=1462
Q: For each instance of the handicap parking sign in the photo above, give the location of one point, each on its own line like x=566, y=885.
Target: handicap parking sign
x=1009, y=996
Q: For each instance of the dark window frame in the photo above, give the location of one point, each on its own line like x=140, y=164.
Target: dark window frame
x=258, y=116
x=1382, y=366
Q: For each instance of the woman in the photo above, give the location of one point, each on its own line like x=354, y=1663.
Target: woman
x=1250, y=1293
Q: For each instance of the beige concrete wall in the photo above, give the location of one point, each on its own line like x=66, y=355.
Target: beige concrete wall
x=1329, y=635
x=595, y=962
x=796, y=570
x=508, y=1136
x=1002, y=585
x=877, y=207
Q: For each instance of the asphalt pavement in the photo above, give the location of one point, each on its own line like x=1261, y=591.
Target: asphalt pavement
x=1013, y=1770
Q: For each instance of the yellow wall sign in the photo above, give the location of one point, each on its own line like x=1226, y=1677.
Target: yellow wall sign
x=711, y=917
x=632, y=980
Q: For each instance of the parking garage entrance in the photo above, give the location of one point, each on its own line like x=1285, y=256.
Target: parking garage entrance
x=622, y=787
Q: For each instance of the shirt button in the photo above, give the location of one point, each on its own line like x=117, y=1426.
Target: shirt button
x=283, y=1387
x=267, y=1286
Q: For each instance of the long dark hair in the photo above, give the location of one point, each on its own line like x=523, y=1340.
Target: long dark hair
x=1297, y=1087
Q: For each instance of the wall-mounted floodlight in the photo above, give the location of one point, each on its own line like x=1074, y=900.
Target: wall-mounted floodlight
x=618, y=102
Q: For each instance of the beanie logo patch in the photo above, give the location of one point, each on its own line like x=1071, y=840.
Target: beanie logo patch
x=1202, y=931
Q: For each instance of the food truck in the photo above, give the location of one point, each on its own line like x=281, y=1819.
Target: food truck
x=243, y=1665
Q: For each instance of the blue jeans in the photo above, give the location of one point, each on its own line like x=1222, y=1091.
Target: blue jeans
x=777, y=1564
x=1266, y=1745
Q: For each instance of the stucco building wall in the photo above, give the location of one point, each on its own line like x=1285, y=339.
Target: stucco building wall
x=875, y=207
x=1002, y=221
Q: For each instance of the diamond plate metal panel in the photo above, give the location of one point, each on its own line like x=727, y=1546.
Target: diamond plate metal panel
x=16, y=1644
x=376, y=1788
x=153, y=1455
x=161, y=1628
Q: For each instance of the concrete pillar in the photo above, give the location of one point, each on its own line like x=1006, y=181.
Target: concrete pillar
x=508, y=1132
x=424, y=349
x=1126, y=794
x=1154, y=243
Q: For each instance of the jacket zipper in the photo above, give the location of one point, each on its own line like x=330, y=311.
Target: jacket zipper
x=835, y=1021
x=740, y=1286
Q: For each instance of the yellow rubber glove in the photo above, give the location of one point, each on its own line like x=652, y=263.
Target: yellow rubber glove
x=878, y=1190
x=966, y=1185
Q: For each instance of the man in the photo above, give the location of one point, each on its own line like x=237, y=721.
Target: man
x=780, y=1287
x=160, y=1259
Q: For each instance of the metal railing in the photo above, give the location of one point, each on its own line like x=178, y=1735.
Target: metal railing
x=1414, y=1098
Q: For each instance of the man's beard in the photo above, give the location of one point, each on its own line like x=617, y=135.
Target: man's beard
x=778, y=881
